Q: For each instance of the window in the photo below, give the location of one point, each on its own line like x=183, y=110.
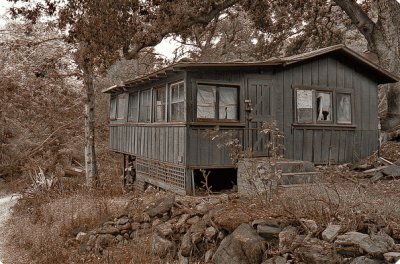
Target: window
x=177, y=96
x=217, y=102
x=145, y=106
x=343, y=108
x=206, y=101
x=304, y=106
x=315, y=106
x=323, y=106
x=116, y=107
x=133, y=110
x=160, y=105
x=113, y=107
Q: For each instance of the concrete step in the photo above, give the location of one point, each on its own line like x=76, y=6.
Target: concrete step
x=298, y=178
x=288, y=166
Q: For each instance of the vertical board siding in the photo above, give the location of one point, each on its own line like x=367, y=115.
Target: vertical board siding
x=318, y=144
x=159, y=143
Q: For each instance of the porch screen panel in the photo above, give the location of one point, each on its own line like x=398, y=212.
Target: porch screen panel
x=228, y=103
x=206, y=101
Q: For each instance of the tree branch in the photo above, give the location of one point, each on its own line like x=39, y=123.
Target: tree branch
x=359, y=18
x=132, y=51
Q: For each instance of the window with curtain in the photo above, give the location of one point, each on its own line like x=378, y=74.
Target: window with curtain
x=217, y=102
x=177, y=102
x=343, y=108
x=313, y=107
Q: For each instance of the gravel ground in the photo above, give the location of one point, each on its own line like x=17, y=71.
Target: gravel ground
x=5, y=204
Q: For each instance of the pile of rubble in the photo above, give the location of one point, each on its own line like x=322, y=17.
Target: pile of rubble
x=187, y=229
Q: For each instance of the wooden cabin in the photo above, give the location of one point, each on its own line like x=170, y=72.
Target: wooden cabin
x=324, y=101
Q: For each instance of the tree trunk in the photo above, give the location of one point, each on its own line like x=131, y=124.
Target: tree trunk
x=383, y=39
x=90, y=154
x=386, y=44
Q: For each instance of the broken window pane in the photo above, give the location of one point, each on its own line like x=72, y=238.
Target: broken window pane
x=160, y=104
x=177, y=102
x=228, y=103
x=344, y=108
x=304, y=106
x=206, y=101
x=133, y=110
x=120, y=106
x=145, y=106
x=323, y=106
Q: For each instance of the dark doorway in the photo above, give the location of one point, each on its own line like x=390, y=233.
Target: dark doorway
x=218, y=180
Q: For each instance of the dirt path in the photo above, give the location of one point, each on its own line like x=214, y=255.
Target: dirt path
x=5, y=204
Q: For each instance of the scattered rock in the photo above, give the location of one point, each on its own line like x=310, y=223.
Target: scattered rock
x=268, y=232
x=103, y=241
x=331, y=232
x=193, y=220
x=315, y=251
x=123, y=220
x=391, y=257
x=161, y=205
x=286, y=237
x=229, y=220
x=210, y=232
x=355, y=243
x=164, y=230
x=108, y=230
x=186, y=245
x=135, y=226
x=161, y=246
x=243, y=246
x=82, y=237
x=275, y=260
x=365, y=260
x=182, y=221
x=310, y=225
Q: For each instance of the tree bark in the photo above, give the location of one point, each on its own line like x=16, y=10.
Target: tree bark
x=383, y=39
x=92, y=179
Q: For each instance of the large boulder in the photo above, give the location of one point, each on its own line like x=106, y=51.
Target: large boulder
x=160, y=206
x=243, y=246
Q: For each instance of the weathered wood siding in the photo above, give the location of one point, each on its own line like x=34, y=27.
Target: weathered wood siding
x=163, y=143
x=318, y=143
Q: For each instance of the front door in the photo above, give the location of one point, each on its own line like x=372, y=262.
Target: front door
x=259, y=109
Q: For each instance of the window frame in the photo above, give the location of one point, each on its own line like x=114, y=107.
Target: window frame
x=136, y=119
x=334, y=106
x=165, y=104
x=217, y=86
x=170, y=103
x=113, y=113
x=149, y=107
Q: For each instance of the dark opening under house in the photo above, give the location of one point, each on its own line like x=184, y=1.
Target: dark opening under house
x=324, y=101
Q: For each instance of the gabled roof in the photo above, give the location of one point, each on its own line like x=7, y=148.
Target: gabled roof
x=382, y=75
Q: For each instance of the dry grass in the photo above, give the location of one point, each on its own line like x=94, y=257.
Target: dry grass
x=42, y=224
x=339, y=198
